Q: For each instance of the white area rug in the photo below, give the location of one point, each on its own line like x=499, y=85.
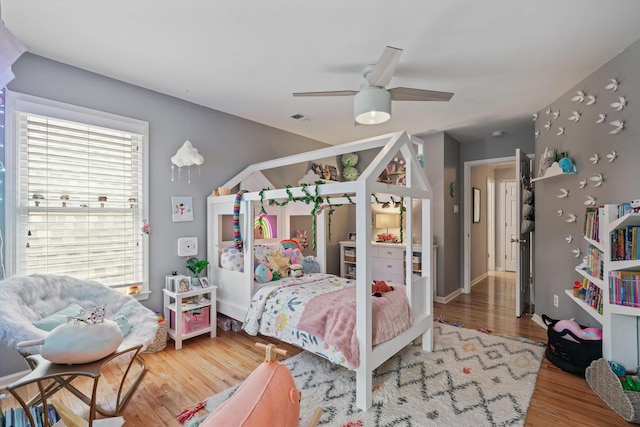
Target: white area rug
x=470, y=379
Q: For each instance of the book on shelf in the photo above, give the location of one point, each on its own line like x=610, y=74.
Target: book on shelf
x=624, y=244
x=624, y=288
x=591, y=228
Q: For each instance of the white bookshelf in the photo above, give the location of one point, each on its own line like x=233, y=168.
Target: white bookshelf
x=620, y=324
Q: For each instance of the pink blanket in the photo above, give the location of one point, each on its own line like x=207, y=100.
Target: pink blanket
x=332, y=317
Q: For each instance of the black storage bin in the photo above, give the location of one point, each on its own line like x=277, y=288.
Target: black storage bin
x=570, y=356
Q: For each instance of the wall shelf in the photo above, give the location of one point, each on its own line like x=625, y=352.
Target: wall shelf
x=554, y=170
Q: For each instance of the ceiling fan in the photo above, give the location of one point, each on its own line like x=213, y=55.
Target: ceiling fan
x=372, y=103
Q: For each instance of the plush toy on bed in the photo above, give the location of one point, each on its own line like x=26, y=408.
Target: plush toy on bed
x=295, y=255
x=378, y=287
x=310, y=265
x=263, y=274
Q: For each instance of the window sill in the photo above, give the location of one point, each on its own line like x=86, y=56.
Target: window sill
x=143, y=295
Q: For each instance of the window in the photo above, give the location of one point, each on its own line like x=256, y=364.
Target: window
x=78, y=192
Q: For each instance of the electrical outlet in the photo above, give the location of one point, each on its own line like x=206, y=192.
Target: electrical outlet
x=555, y=301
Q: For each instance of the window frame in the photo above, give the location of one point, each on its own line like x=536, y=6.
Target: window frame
x=20, y=102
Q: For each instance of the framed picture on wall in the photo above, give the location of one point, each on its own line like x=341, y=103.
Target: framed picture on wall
x=181, y=209
x=476, y=204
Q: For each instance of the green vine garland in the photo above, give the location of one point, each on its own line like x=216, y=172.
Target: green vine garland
x=317, y=206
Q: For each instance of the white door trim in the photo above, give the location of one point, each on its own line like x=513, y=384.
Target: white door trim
x=491, y=223
x=467, y=214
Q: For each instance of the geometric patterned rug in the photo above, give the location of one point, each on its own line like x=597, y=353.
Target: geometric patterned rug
x=470, y=379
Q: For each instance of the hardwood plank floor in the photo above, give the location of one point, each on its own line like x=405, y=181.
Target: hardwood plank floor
x=180, y=379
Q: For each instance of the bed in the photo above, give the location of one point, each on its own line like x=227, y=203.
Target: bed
x=237, y=287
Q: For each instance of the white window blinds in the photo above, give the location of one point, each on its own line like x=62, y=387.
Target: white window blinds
x=80, y=197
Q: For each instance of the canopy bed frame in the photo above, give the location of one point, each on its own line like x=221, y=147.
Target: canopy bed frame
x=236, y=288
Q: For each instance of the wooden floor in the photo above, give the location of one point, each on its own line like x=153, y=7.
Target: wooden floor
x=180, y=379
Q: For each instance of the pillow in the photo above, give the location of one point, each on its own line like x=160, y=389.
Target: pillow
x=79, y=342
x=232, y=259
x=260, y=252
x=279, y=263
x=58, y=318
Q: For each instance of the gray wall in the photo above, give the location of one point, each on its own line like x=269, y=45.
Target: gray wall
x=228, y=144
x=478, y=253
x=554, y=270
x=441, y=160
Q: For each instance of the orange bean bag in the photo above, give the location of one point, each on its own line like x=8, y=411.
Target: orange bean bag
x=268, y=397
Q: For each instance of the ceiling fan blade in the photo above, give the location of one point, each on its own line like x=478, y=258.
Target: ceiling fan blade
x=383, y=70
x=410, y=94
x=327, y=93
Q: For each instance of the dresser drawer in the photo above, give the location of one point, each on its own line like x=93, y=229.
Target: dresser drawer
x=386, y=265
x=393, y=253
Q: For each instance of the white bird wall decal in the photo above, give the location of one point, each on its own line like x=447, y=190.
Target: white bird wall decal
x=612, y=86
x=598, y=179
x=548, y=111
x=619, y=106
x=535, y=116
x=601, y=118
x=575, y=116
x=595, y=158
x=591, y=201
x=560, y=212
x=564, y=193
x=619, y=124
x=569, y=238
x=582, y=183
x=547, y=125
x=612, y=156
x=591, y=99
x=576, y=252
x=556, y=114
x=560, y=131
x=536, y=133
x=572, y=218
x=579, y=97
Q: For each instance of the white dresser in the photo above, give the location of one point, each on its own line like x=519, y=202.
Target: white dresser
x=387, y=261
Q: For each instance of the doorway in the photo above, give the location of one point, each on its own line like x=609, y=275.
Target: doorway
x=481, y=238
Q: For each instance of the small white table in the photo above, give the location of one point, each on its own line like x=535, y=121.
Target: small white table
x=173, y=304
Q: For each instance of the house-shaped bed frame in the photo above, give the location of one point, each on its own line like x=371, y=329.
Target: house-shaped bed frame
x=235, y=288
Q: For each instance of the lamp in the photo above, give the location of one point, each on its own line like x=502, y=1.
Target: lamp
x=372, y=105
x=387, y=221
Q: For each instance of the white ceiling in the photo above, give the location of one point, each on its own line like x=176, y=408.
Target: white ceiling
x=503, y=59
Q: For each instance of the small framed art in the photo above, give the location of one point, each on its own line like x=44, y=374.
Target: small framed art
x=204, y=282
x=181, y=208
x=180, y=284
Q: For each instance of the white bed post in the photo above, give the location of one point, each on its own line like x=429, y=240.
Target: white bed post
x=364, y=381
x=427, y=268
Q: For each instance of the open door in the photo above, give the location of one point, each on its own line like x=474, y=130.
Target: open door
x=526, y=221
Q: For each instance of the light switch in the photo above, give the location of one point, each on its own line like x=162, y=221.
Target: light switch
x=455, y=208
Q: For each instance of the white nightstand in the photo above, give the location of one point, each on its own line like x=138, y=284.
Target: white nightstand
x=175, y=312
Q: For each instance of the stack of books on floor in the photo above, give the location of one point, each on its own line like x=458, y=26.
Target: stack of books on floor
x=16, y=417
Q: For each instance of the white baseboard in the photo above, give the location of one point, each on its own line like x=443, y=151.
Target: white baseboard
x=8, y=379
x=451, y=296
x=538, y=320
x=479, y=278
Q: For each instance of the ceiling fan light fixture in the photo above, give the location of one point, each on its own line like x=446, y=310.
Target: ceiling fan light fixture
x=372, y=106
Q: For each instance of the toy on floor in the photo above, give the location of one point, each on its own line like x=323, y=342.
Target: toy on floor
x=572, y=326
x=268, y=397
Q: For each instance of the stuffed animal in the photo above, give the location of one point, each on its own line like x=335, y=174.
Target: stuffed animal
x=378, y=287
x=296, y=270
x=577, y=330
x=295, y=255
x=263, y=274
x=310, y=265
